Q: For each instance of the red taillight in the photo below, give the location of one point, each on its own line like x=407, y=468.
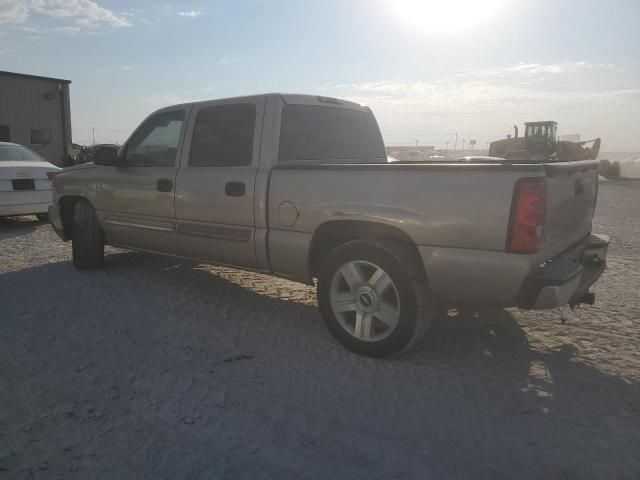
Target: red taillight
x=528, y=216
x=51, y=175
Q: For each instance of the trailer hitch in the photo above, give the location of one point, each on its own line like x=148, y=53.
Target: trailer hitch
x=588, y=298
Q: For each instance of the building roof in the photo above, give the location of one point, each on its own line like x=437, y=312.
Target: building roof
x=36, y=77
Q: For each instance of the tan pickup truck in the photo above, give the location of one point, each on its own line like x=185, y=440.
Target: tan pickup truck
x=300, y=187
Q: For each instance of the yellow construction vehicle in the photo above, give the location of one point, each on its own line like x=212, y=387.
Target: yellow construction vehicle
x=540, y=143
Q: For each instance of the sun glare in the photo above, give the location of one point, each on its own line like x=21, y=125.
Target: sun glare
x=441, y=16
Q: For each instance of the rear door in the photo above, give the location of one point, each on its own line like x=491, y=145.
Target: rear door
x=572, y=189
x=135, y=202
x=215, y=187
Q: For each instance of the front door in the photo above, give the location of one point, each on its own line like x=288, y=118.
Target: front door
x=215, y=184
x=135, y=202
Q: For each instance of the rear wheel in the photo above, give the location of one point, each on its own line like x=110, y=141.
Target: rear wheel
x=87, y=238
x=373, y=297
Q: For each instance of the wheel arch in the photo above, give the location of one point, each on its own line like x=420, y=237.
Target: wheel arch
x=330, y=235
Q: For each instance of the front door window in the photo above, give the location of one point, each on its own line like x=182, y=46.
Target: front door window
x=155, y=144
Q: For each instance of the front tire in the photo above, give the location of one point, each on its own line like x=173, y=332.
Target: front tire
x=374, y=297
x=87, y=238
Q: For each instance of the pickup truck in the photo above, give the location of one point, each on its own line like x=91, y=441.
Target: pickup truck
x=300, y=187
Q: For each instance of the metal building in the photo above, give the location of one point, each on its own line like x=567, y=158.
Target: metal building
x=34, y=111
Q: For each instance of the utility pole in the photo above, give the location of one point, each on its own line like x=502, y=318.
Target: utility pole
x=416, y=143
x=93, y=136
x=447, y=146
x=455, y=147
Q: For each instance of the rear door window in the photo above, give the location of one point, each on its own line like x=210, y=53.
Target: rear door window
x=223, y=136
x=317, y=133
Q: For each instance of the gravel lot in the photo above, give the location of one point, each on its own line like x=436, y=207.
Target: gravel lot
x=164, y=369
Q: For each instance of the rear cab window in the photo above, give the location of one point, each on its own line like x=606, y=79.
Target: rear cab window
x=317, y=133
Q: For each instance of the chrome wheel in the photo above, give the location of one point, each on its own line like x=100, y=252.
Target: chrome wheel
x=365, y=301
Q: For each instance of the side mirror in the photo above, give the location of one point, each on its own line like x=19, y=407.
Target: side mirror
x=107, y=156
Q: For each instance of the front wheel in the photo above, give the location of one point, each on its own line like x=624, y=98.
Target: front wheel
x=373, y=297
x=87, y=239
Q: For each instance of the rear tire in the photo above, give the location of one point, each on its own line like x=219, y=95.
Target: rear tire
x=87, y=238
x=42, y=217
x=374, y=297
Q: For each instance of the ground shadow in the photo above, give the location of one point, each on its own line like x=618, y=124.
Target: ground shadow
x=509, y=407
x=11, y=227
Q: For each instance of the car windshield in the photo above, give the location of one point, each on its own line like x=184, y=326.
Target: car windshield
x=9, y=153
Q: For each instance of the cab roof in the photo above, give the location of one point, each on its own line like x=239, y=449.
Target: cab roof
x=536, y=124
x=289, y=99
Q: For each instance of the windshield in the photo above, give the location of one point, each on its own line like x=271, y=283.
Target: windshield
x=541, y=131
x=18, y=153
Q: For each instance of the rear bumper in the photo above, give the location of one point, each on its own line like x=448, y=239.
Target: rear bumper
x=24, y=202
x=56, y=221
x=567, y=278
x=23, y=209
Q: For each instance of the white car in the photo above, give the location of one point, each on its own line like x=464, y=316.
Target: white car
x=25, y=182
x=630, y=167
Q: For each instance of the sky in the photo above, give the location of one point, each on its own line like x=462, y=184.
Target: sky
x=428, y=69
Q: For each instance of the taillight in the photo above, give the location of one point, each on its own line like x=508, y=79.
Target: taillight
x=528, y=212
x=51, y=175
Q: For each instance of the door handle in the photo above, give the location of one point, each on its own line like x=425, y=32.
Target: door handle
x=234, y=189
x=164, y=185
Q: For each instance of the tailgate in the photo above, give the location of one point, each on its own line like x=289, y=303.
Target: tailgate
x=572, y=190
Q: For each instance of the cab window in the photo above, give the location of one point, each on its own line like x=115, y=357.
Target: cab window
x=223, y=136
x=312, y=133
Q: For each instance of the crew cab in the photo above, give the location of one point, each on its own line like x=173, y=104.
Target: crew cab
x=299, y=186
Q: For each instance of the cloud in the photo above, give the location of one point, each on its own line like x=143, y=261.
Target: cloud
x=85, y=13
x=534, y=68
x=7, y=51
x=541, y=69
x=69, y=30
x=115, y=68
x=227, y=61
x=190, y=13
x=12, y=11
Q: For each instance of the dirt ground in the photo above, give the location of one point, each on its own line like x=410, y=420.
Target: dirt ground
x=159, y=368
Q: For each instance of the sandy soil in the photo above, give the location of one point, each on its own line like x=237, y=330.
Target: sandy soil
x=158, y=368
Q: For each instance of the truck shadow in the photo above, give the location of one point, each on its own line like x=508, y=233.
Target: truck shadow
x=476, y=369
x=11, y=227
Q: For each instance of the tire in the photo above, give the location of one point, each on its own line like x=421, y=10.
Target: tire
x=372, y=313
x=87, y=238
x=42, y=217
